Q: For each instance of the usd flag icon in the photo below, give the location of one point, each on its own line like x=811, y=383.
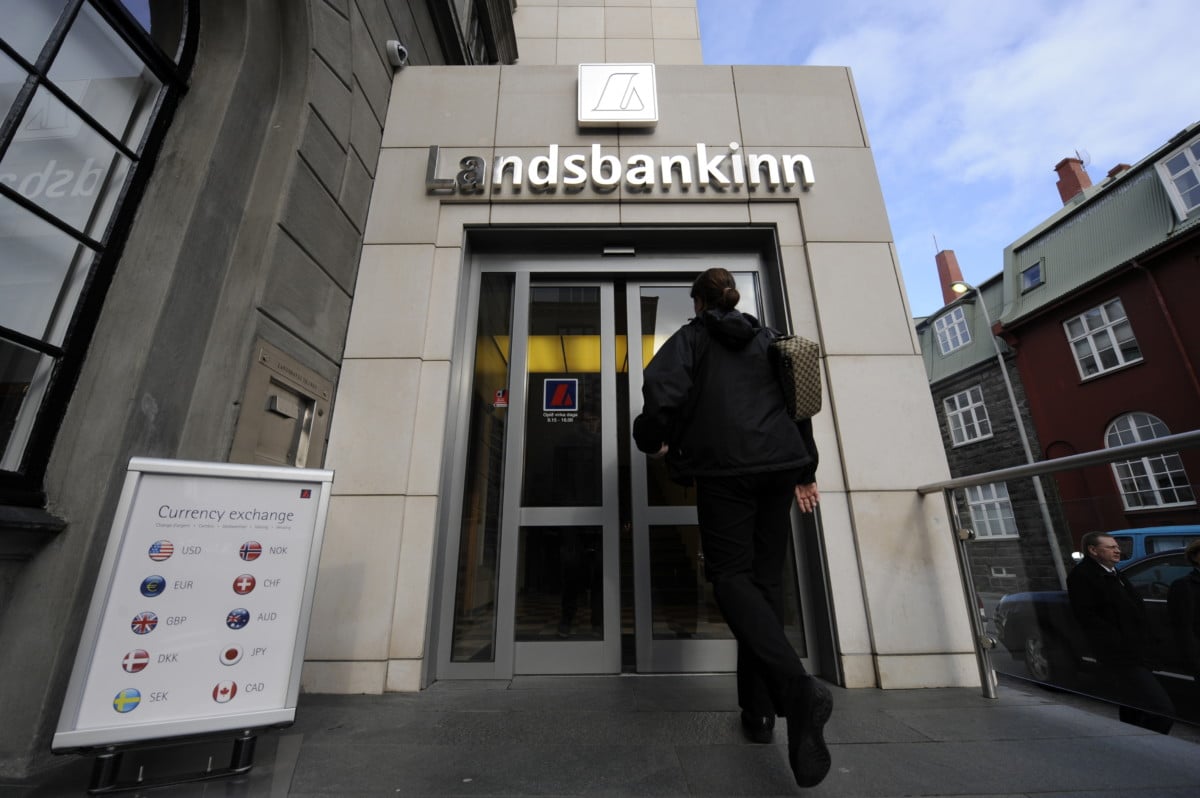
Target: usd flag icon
x=161, y=550
x=224, y=692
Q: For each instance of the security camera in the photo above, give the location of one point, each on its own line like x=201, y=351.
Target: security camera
x=397, y=54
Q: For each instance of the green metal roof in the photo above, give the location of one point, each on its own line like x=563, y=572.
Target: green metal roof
x=1109, y=225
x=978, y=349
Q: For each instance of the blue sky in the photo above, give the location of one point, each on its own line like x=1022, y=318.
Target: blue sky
x=969, y=104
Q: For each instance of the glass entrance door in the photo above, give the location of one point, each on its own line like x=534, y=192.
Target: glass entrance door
x=578, y=554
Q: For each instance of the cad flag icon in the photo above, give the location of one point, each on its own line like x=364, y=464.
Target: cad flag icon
x=224, y=692
x=560, y=396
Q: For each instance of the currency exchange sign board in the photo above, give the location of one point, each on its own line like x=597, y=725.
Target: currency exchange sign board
x=200, y=613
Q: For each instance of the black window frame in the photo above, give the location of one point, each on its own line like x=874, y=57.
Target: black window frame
x=25, y=486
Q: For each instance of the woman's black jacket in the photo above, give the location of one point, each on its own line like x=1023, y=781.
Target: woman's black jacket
x=712, y=395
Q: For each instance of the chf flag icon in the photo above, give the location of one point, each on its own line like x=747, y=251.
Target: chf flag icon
x=224, y=692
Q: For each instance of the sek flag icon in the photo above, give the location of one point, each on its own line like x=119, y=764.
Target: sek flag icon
x=153, y=586
x=243, y=584
x=224, y=692
x=127, y=700
x=237, y=618
x=135, y=660
x=161, y=550
x=231, y=655
x=250, y=550
x=144, y=622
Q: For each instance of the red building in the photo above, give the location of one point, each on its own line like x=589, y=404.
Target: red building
x=1100, y=307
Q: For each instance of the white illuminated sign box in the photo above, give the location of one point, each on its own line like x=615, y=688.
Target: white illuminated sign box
x=200, y=613
x=617, y=95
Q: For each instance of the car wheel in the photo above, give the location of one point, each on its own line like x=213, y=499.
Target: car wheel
x=1045, y=658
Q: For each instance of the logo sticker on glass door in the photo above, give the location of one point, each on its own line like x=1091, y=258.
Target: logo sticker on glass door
x=560, y=395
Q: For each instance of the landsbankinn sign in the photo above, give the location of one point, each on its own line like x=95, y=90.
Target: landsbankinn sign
x=571, y=170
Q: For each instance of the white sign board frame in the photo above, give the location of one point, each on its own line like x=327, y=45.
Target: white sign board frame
x=617, y=95
x=200, y=613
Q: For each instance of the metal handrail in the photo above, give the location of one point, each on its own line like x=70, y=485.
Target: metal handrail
x=1169, y=443
x=984, y=642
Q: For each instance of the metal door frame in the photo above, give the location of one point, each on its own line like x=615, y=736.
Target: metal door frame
x=663, y=656
x=546, y=657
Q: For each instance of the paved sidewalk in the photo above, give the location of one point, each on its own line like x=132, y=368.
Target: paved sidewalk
x=679, y=736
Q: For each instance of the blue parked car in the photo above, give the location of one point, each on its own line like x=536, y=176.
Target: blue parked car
x=1137, y=543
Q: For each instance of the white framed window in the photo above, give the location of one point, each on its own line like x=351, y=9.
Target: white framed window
x=1032, y=277
x=951, y=331
x=967, y=416
x=1152, y=481
x=1180, y=174
x=1003, y=572
x=991, y=511
x=1102, y=339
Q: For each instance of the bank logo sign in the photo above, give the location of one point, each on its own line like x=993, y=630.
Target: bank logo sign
x=617, y=95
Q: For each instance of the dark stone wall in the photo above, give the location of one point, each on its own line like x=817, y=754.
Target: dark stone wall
x=251, y=228
x=1028, y=557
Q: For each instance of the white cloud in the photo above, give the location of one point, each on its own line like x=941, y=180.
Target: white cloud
x=970, y=104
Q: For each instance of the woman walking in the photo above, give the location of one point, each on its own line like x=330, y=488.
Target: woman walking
x=714, y=408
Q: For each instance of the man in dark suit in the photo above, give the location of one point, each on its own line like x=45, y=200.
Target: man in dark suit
x=1113, y=619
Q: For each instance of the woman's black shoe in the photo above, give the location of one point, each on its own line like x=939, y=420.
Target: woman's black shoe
x=758, y=728
x=807, y=752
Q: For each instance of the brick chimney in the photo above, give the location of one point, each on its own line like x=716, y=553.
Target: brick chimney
x=1118, y=169
x=948, y=272
x=1072, y=178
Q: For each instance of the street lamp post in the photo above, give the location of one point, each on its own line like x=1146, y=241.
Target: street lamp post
x=961, y=287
